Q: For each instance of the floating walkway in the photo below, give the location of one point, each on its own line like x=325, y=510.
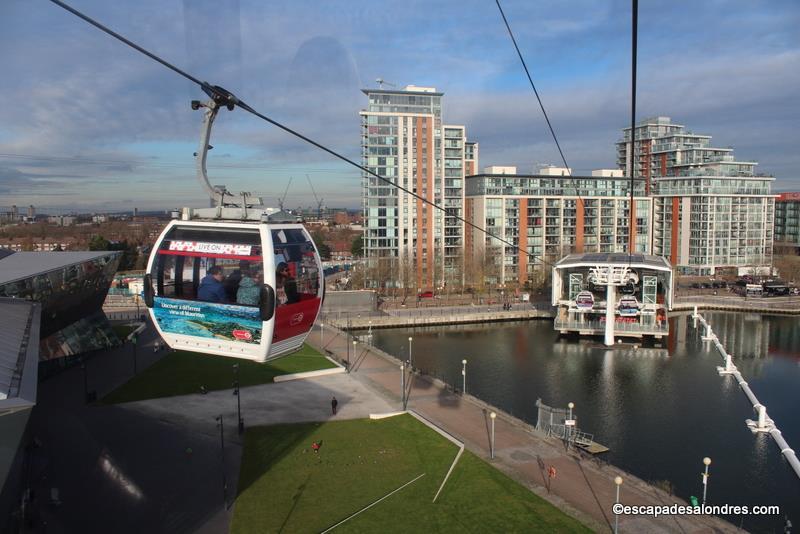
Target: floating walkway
x=767, y=306
x=763, y=423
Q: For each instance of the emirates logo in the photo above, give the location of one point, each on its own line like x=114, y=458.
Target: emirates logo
x=296, y=319
x=242, y=335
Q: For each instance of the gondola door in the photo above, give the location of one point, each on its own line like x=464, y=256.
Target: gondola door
x=299, y=286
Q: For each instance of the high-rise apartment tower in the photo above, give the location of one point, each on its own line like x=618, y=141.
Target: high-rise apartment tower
x=408, y=242
x=710, y=211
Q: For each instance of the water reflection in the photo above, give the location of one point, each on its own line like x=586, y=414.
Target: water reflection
x=659, y=410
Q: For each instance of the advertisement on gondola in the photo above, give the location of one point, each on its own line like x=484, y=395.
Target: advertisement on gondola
x=227, y=322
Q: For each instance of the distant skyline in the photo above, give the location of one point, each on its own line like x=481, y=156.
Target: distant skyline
x=91, y=125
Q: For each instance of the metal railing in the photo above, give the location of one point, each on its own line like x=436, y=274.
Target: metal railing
x=618, y=326
x=458, y=310
x=744, y=303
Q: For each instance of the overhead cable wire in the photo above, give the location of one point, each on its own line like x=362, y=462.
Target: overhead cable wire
x=539, y=99
x=631, y=207
x=230, y=100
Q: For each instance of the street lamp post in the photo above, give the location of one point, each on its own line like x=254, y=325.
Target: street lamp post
x=618, y=482
x=403, y=385
x=707, y=462
x=410, y=361
x=493, y=416
x=464, y=377
x=571, y=405
x=349, y=333
x=221, y=425
x=237, y=392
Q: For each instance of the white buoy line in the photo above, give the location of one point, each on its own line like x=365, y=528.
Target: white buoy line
x=763, y=423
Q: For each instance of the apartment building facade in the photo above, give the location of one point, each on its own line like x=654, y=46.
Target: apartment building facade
x=408, y=242
x=534, y=220
x=710, y=210
x=787, y=223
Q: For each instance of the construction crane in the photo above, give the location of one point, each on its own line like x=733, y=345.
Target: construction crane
x=280, y=200
x=381, y=82
x=319, y=200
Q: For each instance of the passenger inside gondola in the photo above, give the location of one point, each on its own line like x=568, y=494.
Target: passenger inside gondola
x=286, y=285
x=232, y=281
x=249, y=292
x=211, y=288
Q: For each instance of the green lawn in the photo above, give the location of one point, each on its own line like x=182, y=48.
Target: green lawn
x=182, y=373
x=286, y=487
x=122, y=330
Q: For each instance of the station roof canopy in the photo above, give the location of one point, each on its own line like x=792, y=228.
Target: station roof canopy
x=591, y=259
x=19, y=354
x=21, y=265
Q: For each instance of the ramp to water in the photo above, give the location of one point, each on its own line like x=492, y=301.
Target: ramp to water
x=553, y=422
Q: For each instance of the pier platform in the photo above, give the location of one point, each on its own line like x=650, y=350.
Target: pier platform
x=593, y=447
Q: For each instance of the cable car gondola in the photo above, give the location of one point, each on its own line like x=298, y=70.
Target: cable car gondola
x=628, y=306
x=584, y=300
x=233, y=280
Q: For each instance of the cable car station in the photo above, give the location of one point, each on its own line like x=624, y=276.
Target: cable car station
x=613, y=295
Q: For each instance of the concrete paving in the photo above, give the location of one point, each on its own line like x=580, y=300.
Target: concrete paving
x=286, y=402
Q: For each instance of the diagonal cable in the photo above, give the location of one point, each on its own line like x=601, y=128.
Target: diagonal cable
x=538, y=98
x=227, y=98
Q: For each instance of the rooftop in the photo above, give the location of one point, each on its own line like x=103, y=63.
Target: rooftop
x=20, y=265
x=19, y=354
x=425, y=91
x=615, y=258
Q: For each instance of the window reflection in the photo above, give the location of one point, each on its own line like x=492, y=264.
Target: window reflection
x=296, y=269
x=67, y=293
x=211, y=265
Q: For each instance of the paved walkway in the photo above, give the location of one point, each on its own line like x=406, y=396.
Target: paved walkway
x=582, y=487
x=295, y=401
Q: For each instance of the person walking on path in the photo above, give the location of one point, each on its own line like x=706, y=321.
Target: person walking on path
x=334, y=404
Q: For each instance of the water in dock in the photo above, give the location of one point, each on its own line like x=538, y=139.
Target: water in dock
x=659, y=411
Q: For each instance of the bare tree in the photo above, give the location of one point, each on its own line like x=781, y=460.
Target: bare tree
x=788, y=267
x=407, y=275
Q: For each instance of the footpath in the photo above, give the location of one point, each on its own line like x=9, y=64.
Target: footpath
x=582, y=487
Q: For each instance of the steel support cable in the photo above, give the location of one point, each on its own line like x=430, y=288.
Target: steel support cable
x=224, y=97
x=631, y=209
x=538, y=98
